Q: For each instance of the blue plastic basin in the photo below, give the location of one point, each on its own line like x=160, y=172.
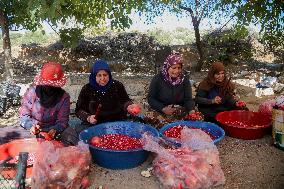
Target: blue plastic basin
x=211, y=128
x=115, y=159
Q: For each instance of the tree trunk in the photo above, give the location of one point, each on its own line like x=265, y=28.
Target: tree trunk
x=4, y=22
x=199, y=48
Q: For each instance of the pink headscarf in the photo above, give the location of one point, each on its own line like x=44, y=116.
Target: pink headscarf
x=171, y=60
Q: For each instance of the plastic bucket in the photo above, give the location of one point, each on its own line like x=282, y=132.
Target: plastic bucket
x=211, y=128
x=13, y=148
x=257, y=124
x=278, y=128
x=115, y=159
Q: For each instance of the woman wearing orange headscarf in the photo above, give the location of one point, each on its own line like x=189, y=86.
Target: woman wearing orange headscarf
x=216, y=93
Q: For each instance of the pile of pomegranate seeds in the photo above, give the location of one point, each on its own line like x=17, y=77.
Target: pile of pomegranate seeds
x=196, y=116
x=116, y=142
x=241, y=124
x=241, y=104
x=175, y=132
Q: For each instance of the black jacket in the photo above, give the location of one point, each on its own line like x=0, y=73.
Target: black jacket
x=114, y=103
x=162, y=94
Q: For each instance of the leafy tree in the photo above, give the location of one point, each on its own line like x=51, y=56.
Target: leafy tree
x=30, y=14
x=197, y=9
x=228, y=45
x=269, y=15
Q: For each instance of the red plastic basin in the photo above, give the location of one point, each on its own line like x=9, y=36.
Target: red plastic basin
x=242, y=124
x=12, y=149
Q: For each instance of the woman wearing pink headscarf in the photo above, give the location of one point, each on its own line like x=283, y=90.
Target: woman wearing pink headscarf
x=170, y=91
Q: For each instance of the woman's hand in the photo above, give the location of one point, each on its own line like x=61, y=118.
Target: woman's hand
x=134, y=109
x=168, y=110
x=35, y=129
x=52, y=133
x=241, y=104
x=92, y=119
x=217, y=100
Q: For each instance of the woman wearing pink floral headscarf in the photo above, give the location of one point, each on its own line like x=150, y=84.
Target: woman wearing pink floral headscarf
x=170, y=90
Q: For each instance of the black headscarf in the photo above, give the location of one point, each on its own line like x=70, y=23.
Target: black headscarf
x=49, y=96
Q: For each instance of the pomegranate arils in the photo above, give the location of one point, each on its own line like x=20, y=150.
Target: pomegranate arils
x=118, y=142
x=241, y=124
x=175, y=132
x=241, y=104
x=196, y=116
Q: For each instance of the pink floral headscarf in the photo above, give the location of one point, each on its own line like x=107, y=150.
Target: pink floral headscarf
x=172, y=59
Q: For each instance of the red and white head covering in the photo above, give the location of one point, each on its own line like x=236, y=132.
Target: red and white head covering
x=51, y=75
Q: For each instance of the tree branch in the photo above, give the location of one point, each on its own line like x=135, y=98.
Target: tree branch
x=193, y=17
x=203, y=10
x=226, y=23
x=196, y=7
x=187, y=9
x=52, y=28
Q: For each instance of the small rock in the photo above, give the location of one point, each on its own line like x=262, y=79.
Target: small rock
x=147, y=173
x=264, y=92
x=246, y=82
x=279, y=88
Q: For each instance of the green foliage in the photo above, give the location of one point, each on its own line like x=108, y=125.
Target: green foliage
x=161, y=36
x=29, y=14
x=269, y=15
x=100, y=29
x=228, y=45
x=38, y=37
x=179, y=36
x=70, y=37
x=199, y=9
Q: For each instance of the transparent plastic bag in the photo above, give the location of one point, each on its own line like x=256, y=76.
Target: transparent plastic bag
x=61, y=167
x=194, y=165
x=266, y=107
x=279, y=102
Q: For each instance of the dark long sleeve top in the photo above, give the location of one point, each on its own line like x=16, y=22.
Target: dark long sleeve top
x=162, y=94
x=205, y=98
x=114, y=103
x=32, y=113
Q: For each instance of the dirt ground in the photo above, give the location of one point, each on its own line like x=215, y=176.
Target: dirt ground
x=247, y=164
x=254, y=164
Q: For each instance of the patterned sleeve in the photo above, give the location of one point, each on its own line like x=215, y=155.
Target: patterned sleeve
x=25, y=112
x=63, y=114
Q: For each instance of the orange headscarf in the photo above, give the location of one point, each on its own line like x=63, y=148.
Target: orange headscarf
x=209, y=82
